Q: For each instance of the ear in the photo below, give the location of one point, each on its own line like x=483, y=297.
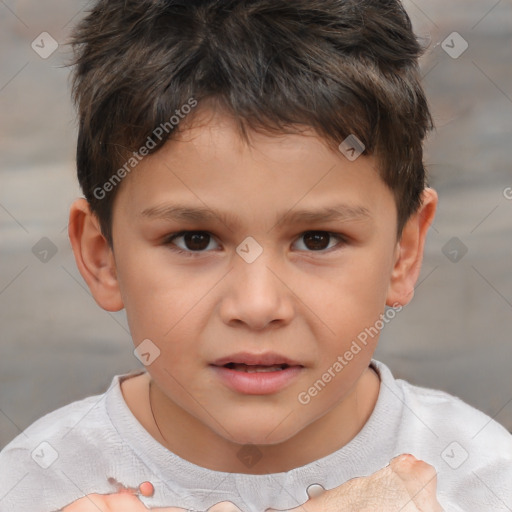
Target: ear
x=409, y=251
x=94, y=257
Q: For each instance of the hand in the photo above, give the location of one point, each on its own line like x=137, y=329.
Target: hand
x=126, y=500
x=406, y=485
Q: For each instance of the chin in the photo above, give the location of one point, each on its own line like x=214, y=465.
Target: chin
x=258, y=432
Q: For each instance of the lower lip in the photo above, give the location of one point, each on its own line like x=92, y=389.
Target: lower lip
x=257, y=383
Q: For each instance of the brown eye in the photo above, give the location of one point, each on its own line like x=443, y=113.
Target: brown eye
x=319, y=241
x=196, y=241
x=316, y=240
x=190, y=242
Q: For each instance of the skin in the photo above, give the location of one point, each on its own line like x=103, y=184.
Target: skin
x=406, y=484
x=305, y=303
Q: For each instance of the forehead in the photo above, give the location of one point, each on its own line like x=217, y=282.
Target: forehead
x=209, y=163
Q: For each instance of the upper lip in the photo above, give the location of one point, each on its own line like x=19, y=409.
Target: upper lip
x=266, y=359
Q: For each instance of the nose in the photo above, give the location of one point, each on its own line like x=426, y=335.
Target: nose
x=256, y=294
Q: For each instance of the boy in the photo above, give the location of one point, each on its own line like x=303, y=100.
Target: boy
x=286, y=137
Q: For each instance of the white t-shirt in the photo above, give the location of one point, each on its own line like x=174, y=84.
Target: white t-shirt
x=74, y=450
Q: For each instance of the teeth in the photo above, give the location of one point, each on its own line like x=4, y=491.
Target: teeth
x=254, y=368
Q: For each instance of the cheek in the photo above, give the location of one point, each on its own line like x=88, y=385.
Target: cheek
x=356, y=292
x=158, y=298
x=349, y=305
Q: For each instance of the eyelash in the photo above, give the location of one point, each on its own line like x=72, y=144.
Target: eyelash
x=168, y=242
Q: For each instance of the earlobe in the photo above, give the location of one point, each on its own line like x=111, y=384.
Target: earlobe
x=409, y=251
x=94, y=257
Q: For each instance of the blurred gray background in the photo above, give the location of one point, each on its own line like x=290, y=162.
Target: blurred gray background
x=57, y=345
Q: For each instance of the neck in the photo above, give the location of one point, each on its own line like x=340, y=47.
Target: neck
x=191, y=440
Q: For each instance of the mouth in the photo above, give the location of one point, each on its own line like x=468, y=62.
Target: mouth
x=257, y=374
x=245, y=361
x=249, y=368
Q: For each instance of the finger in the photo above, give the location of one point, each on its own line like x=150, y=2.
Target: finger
x=420, y=480
x=301, y=508
x=124, y=501
x=224, y=506
x=86, y=504
x=146, y=489
x=168, y=509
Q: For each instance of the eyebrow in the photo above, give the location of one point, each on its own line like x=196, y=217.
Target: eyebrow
x=185, y=213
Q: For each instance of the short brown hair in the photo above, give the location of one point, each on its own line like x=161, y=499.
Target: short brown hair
x=342, y=67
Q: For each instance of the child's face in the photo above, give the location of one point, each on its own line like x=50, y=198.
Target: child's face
x=305, y=298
